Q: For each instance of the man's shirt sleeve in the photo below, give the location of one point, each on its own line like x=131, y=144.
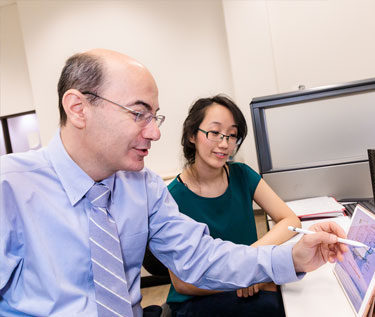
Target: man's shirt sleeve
x=10, y=240
x=185, y=247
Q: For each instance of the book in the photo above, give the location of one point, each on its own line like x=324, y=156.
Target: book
x=355, y=273
x=317, y=207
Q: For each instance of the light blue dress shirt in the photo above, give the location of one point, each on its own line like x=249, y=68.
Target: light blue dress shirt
x=45, y=267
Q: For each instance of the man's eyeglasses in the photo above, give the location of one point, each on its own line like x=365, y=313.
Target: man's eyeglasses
x=218, y=137
x=141, y=117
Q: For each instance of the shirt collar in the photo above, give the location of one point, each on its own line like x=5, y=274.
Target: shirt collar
x=75, y=181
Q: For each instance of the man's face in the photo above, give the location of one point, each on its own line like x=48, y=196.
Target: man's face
x=115, y=140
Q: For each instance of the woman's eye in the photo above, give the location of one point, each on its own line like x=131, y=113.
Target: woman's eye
x=215, y=132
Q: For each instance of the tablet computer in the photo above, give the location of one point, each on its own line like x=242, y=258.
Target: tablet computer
x=356, y=272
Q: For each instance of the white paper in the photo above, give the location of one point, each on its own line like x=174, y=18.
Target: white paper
x=316, y=205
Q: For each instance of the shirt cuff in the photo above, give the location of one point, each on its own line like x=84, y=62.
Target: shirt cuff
x=283, y=266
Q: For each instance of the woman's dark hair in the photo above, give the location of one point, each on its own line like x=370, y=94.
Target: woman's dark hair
x=195, y=117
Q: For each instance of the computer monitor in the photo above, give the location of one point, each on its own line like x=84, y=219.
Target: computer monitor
x=371, y=160
x=314, y=142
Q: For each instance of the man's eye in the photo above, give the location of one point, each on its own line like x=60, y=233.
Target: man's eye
x=139, y=115
x=135, y=114
x=233, y=136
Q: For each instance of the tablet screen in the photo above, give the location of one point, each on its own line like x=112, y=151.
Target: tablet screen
x=355, y=273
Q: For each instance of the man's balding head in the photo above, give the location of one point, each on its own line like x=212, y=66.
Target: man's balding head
x=102, y=95
x=91, y=71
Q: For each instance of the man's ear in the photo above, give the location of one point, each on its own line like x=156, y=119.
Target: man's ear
x=74, y=105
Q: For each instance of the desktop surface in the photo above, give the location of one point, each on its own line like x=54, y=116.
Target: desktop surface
x=318, y=293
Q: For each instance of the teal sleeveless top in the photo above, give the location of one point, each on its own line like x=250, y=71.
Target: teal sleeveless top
x=229, y=216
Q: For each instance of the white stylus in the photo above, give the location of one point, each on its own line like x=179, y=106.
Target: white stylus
x=346, y=241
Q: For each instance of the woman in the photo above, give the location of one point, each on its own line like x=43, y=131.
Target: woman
x=220, y=193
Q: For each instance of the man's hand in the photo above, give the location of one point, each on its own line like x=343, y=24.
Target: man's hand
x=313, y=250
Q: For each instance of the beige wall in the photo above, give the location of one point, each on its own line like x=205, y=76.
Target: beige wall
x=15, y=88
x=275, y=46
x=183, y=43
x=194, y=49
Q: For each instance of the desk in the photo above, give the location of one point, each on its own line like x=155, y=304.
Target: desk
x=318, y=294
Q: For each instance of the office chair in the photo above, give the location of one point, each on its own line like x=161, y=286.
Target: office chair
x=159, y=276
x=159, y=273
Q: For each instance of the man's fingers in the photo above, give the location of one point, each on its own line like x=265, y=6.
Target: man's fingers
x=332, y=247
x=343, y=248
x=239, y=292
x=328, y=243
x=314, y=249
x=330, y=227
x=319, y=237
x=340, y=256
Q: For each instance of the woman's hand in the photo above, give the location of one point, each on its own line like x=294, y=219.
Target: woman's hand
x=254, y=289
x=248, y=291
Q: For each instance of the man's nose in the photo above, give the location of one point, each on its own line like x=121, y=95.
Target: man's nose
x=152, y=131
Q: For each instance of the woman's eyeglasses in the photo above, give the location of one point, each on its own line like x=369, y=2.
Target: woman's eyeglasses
x=218, y=137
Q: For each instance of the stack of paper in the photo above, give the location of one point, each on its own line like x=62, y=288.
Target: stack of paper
x=317, y=207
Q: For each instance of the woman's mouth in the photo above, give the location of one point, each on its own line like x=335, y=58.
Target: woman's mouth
x=220, y=155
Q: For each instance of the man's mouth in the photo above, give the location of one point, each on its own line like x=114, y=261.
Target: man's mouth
x=141, y=151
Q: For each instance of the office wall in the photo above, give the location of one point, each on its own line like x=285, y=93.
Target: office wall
x=252, y=61
x=275, y=46
x=183, y=43
x=197, y=48
x=15, y=88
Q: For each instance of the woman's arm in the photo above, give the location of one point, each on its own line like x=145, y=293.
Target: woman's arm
x=188, y=289
x=266, y=198
x=280, y=213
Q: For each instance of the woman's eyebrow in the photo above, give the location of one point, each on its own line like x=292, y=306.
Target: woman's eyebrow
x=219, y=123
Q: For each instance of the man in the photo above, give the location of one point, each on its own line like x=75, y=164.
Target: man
x=52, y=258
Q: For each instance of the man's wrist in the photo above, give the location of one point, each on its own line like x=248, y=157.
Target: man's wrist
x=297, y=267
x=283, y=265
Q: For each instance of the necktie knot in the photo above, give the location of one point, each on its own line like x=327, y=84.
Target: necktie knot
x=98, y=195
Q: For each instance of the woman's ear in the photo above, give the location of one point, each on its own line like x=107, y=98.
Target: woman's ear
x=234, y=152
x=74, y=104
x=192, y=139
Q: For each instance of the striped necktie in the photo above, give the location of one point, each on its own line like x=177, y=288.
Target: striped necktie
x=111, y=290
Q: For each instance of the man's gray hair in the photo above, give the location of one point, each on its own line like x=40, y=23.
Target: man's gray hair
x=83, y=72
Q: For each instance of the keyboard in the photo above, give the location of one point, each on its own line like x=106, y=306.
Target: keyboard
x=368, y=204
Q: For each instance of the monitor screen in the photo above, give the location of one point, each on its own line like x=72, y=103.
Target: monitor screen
x=321, y=131
x=314, y=142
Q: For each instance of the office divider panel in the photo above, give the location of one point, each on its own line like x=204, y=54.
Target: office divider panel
x=314, y=142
